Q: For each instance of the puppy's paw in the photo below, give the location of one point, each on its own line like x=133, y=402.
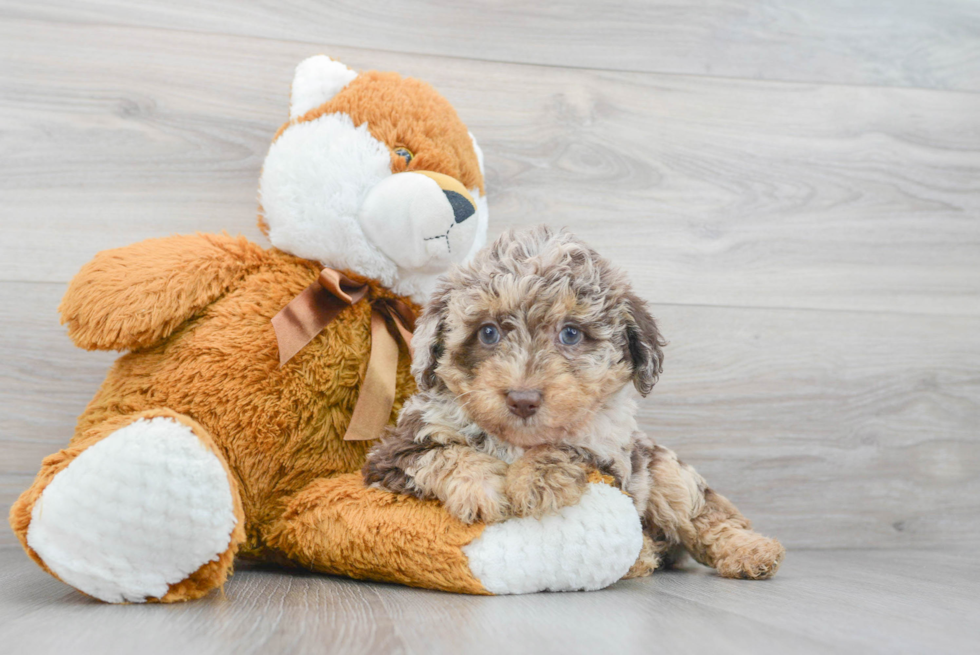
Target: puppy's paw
x=479, y=496
x=755, y=559
x=544, y=480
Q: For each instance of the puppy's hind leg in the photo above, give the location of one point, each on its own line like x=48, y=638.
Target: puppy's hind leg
x=725, y=540
x=709, y=526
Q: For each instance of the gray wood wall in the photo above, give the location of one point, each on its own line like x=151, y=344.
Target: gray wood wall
x=794, y=185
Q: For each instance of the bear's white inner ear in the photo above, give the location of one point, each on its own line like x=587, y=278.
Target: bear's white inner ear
x=317, y=80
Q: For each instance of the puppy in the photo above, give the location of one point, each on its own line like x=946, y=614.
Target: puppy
x=524, y=361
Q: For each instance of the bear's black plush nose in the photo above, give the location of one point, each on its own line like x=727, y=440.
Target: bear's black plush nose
x=462, y=208
x=523, y=402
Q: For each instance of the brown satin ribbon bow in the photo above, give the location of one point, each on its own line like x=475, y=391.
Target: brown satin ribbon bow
x=312, y=310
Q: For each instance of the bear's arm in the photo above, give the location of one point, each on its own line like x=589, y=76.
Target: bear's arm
x=135, y=296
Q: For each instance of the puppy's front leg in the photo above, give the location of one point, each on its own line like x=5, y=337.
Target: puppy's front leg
x=545, y=479
x=470, y=484
x=429, y=462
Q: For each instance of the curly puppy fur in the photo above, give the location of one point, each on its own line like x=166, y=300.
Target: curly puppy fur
x=465, y=439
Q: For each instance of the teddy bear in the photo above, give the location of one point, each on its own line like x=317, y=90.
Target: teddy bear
x=254, y=380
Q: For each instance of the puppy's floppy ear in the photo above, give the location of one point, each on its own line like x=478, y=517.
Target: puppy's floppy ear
x=643, y=344
x=427, y=342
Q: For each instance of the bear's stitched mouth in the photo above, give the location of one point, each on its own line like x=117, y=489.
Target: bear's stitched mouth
x=445, y=236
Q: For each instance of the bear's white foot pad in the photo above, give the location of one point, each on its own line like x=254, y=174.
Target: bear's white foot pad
x=136, y=512
x=584, y=547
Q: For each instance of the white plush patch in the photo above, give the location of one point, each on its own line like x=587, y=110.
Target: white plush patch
x=479, y=156
x=136, y=512
x=314, y=180
x=584, y=547
x=482, y=219
x=482, y=216
x=317, y=80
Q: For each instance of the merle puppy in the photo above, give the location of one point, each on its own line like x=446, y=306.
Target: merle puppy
x=526, y=361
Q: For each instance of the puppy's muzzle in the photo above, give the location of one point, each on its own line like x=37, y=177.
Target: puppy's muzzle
x=523, y=402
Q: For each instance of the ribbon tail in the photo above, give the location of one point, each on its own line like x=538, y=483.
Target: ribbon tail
x=405, y=335
x=377, y=396
x=298, y=322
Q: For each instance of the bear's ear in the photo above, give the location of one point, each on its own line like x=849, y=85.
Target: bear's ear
x=317, y=80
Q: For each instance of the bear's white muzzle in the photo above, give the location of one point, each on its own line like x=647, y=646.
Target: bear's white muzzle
x=423, y=221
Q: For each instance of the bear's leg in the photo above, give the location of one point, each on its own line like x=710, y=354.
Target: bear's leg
x=681, y=508
x=339, y=526
x=139, y=508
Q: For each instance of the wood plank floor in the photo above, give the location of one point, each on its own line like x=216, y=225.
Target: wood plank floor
x=873, y=42
x=812, y=250
x=719, y=192
x=887, y=602
x=794, y=185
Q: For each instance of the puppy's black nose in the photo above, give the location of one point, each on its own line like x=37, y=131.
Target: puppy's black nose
x=523, y=402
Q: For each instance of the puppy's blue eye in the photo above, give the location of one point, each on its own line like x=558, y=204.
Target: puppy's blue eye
x=489, y=335
x=570, y=336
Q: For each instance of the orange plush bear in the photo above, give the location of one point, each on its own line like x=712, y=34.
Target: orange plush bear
x=221, y=432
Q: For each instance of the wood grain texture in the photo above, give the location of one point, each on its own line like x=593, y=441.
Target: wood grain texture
x=828, y=429
x=812, y=250
x=821, y=602
x=709, y=191
x=874, y=42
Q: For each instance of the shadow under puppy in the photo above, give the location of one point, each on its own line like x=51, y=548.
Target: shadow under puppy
x=524, y=360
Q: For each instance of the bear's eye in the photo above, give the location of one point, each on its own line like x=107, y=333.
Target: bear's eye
x=405, y=154
x=569, y=336
x=489, y=335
